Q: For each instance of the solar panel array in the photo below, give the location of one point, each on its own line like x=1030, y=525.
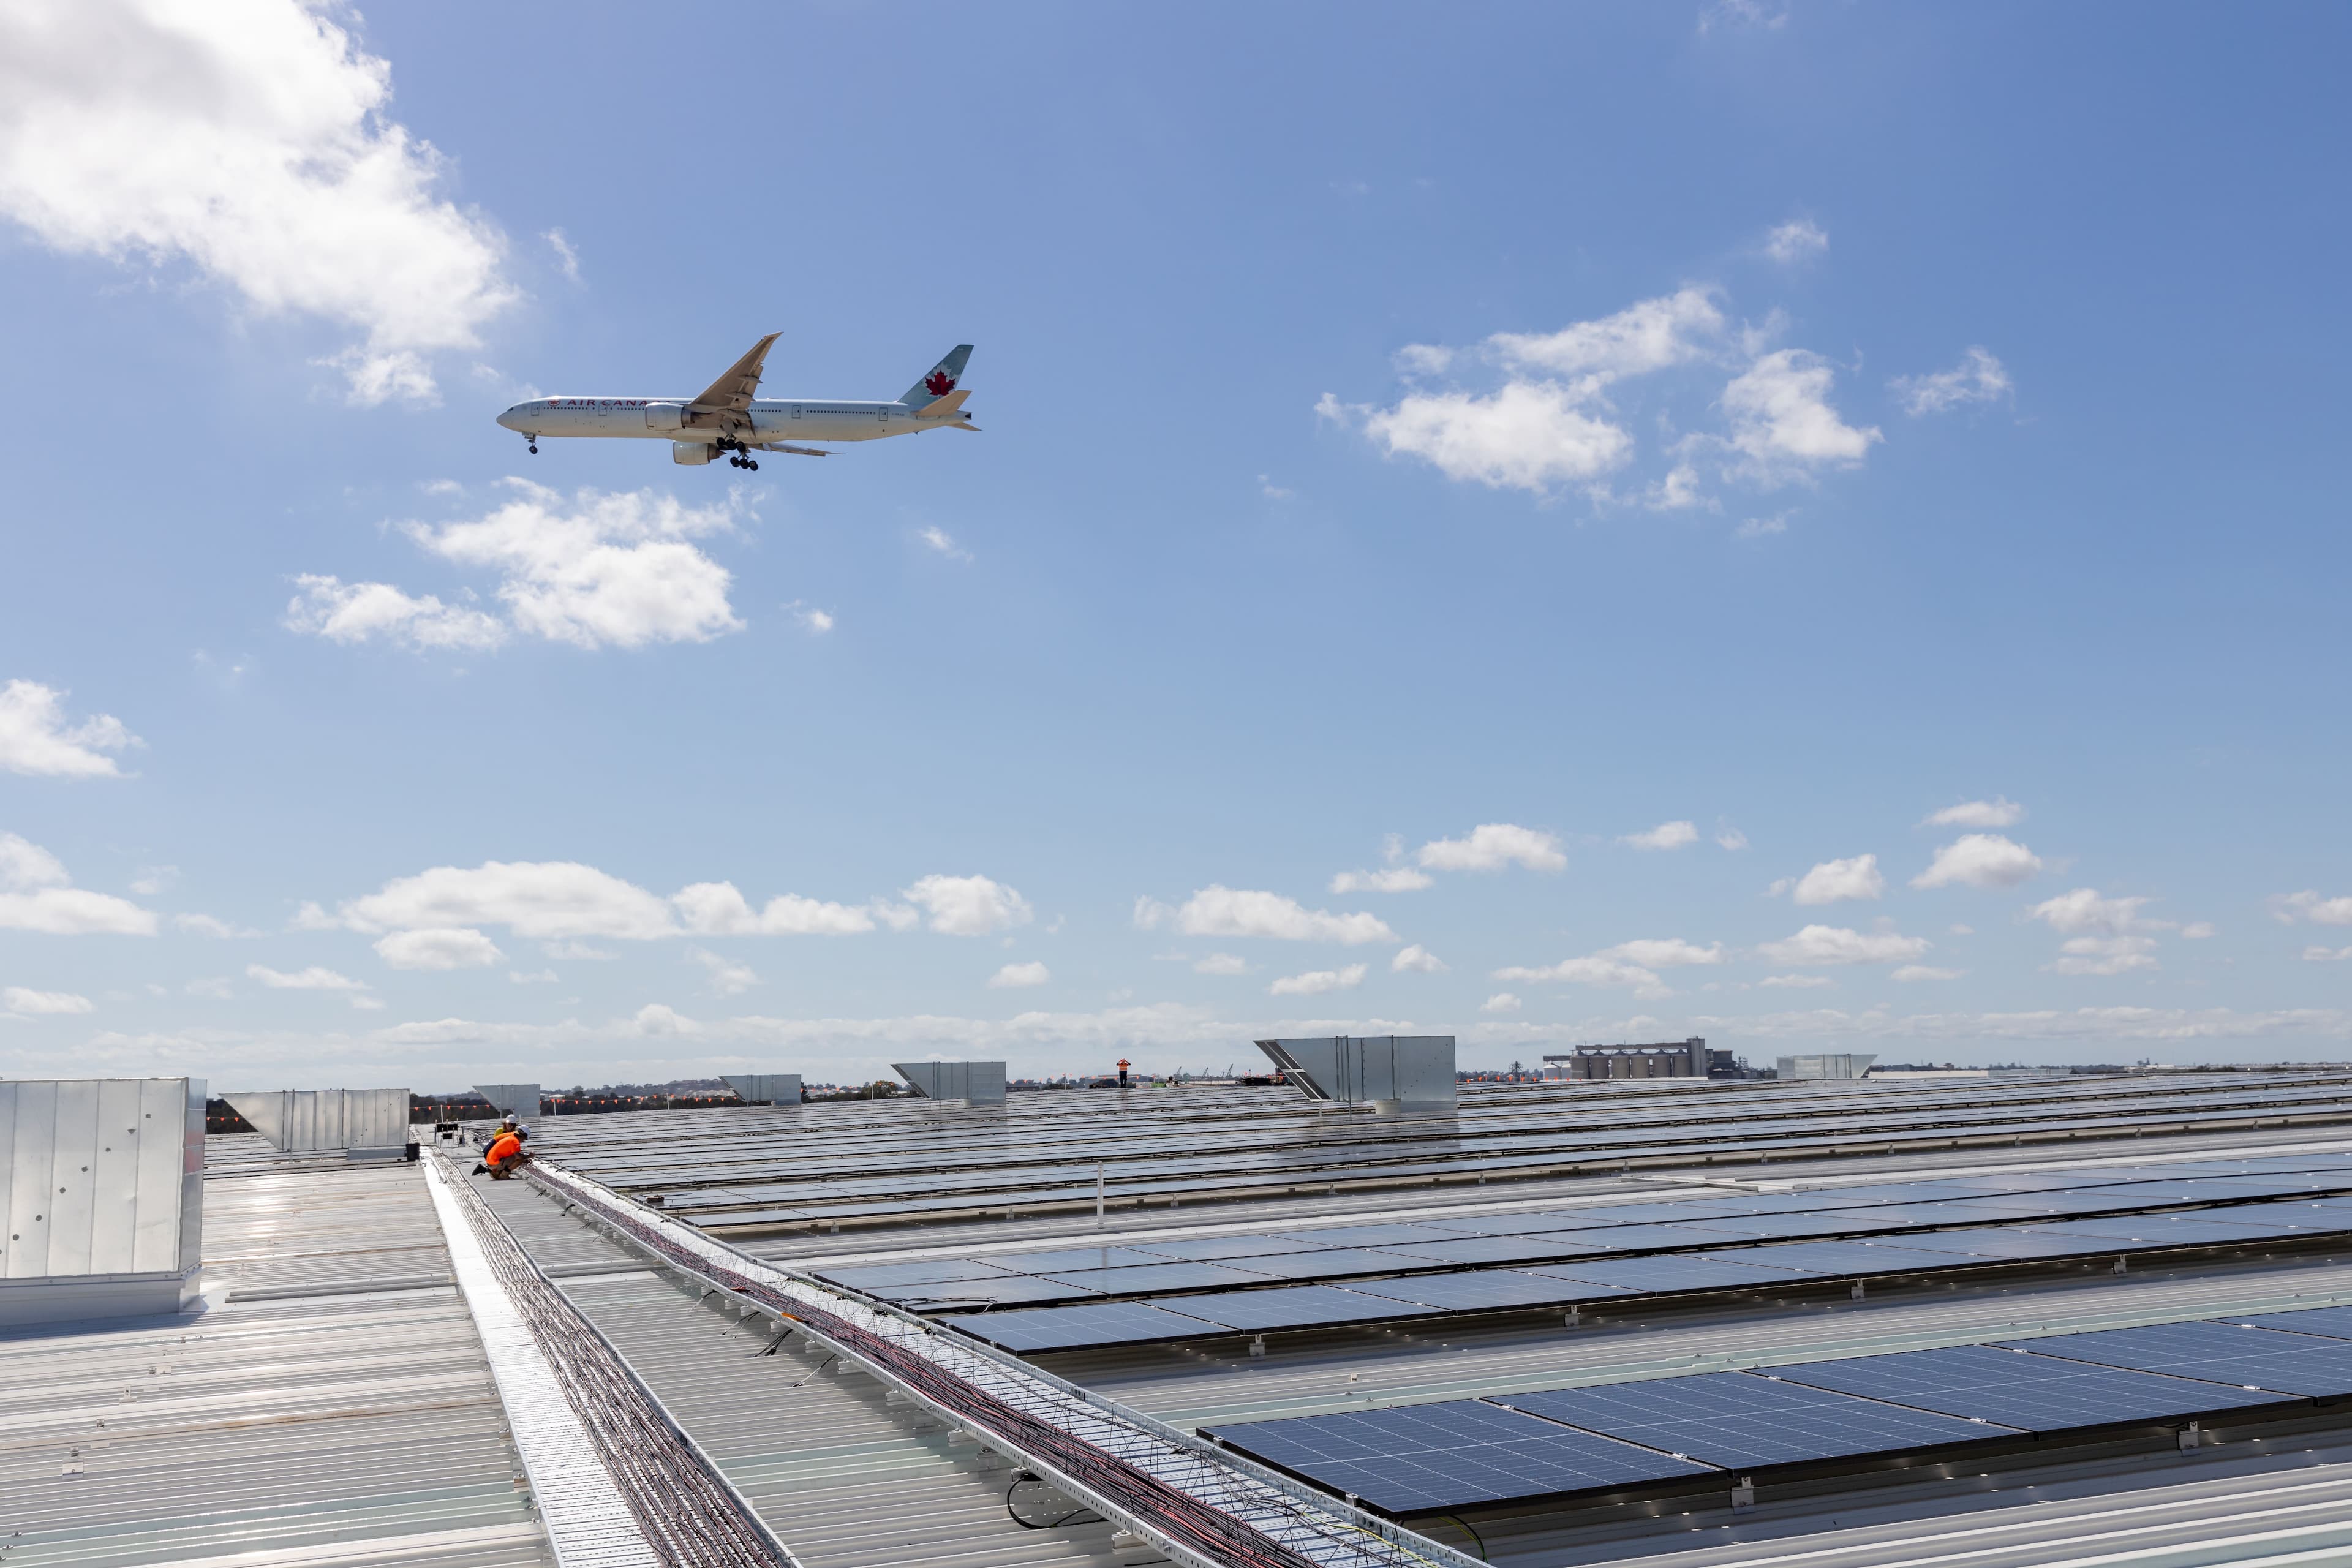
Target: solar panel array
x=791, y=1167
x=1025, y=1301
x=1624, y=1436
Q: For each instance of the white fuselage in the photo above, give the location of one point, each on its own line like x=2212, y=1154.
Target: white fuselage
x=789, y=420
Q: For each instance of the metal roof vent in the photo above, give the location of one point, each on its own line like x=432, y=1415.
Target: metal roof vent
x=365, y=1123
x=102, y=1183
x=1393, y=1073
x=974, y=1083
x=765, y=1088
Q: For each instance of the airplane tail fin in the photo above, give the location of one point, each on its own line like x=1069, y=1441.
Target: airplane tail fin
x=940, y=381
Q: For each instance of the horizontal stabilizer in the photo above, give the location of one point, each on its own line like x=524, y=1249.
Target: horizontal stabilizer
x=796, y=451
x=945, y=407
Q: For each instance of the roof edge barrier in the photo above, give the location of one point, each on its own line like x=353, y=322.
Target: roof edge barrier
x=1198, y=1505
x=974, y=1083
x=1395, y=1074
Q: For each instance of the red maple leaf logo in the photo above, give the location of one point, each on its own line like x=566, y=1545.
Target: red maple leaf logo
x=938, y=383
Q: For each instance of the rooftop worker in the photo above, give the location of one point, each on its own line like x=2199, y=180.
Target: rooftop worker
x=505, y=1154
x=1122, y=1072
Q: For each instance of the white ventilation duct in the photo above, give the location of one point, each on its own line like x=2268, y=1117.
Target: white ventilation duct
x=102, y=1183
x=511, y=1099
x=975, y=1083
x=366, y=1123
x=765, y=1088
x=1388, y=1072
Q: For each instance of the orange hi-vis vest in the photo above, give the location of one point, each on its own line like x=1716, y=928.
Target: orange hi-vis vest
x=505, y=1147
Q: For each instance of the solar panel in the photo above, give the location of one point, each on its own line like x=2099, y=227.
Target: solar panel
x=1064, y=1259
x=1837, y=1221
x=1493, y=1249
x=1736, y=1419
x=1625, y=1214
x=1072, y=1328
x=1973, y=1210
x=1503, y=1223
x=2333, y=1322
x=1008, y=1290
x=1329, y=1263
x=1369, y=1234
x=1658, y=1237
x=1662, y=1275
x=1157, y=1277
x=2032, y=1393
x=927, y=1271
x=1839, y=1258
x=2161, y=1230
x=1423, y=1458
x=2218, y=1352
x=1487, y=1290
x=1294, y=1307
x=1995, y=1241
x=1204, y=1248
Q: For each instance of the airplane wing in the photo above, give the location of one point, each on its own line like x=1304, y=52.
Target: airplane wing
x=796, y=451
x=731, y=393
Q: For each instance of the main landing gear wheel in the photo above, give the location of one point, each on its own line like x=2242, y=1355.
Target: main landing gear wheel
x=533, y=448
x=742, y=462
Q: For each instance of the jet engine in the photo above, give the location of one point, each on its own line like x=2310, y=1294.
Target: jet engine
x=664, y=417
x=690, y=452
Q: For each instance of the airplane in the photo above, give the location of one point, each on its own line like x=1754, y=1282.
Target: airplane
x=727, y=418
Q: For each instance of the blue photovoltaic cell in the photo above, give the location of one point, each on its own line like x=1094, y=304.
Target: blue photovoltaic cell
x=929, y=1271
x=1420, y=1459
x=2335, y=1322
x=1504, y=1223
x=1371, y=1234
x=2009, y=1242
x=1152, y=1277
x=1486, y=1291
x=1662, y=1275
x=2160, y=1230
x=1293, y=1307
x=1008, y=1290
x=1327, y=1263
x=1837, y=1257
x=1075, y=1328
x=2032, y=1393
x=1736, y=1419
x=1649, y=1237
x=1625, y=1213
x=1492, y=1249
x=1064, y=1259
x=1979, y=1211
x=2218, y=1352
x=1838, y=1222
x=1204, y=1248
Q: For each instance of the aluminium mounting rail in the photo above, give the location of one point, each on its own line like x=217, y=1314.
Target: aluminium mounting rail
x=617, y=1482
x=1200, y=1506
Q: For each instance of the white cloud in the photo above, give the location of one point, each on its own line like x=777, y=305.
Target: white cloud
x=1649, y=335
x=1527, y=435
x=1664, y=952
x=547, y=899
x=36, y=894
x=535, y=977
x=1219, y=911
x=2288, y=908
x=1800, y=239
x=1819, y=946
x=2103, y=955
x=813, y=621
x=1016, y=975
x=939, y=539
x=2083, y=910
x=154, y=880
x=1833, y=880
x=2200, y=931
x=2326, y=954
x=252, y=140
x=1416, y=960
x=315, y=978
x=30, y=1003
x=1978, y=378
x=1998, y=812
x=566, y=256
x=1979, y=860
x=438, y=947
x=1731, y=838
x=718, y=909
x=1910, y=973
x=968, y=906
x=1395, y=879
x=658, y=1018
x=576, y=952
x=35, y=739
x=1632, y=964
x=1316, y=982
x=728, y=978
x=217, y=987
x=1763, y=527
x=602, y=569
x=1491, y=847
x=1796, y=982
x=1501, y=1002
x=1664, y=835
x=1221, y=964
x=1272, y=491
x=358, y=612
x=207, y=925
x=1781, y=419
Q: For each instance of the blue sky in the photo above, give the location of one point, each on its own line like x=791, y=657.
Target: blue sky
x=1519, y=529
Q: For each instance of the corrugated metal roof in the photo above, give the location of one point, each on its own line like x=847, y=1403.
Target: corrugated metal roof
x=356, y=1428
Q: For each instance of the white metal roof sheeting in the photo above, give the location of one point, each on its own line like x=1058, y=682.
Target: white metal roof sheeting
x=358, y=1430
